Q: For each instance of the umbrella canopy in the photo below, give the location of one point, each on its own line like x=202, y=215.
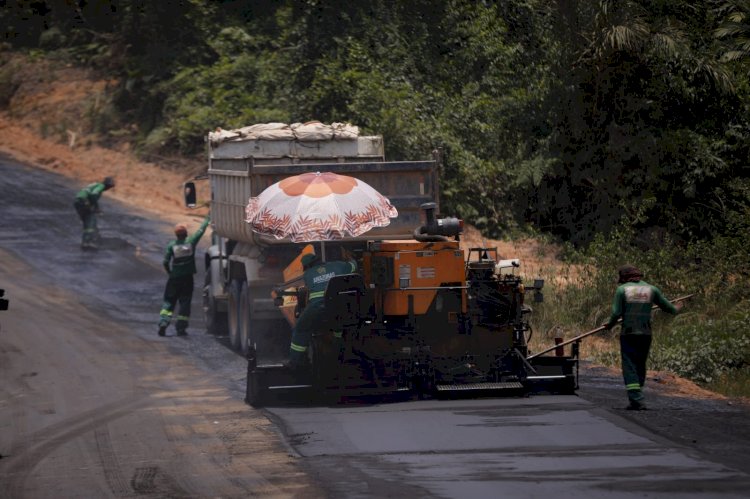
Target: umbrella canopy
x=318, y=207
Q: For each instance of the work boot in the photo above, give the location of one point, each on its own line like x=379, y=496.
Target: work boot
x=636, y=406
x=162, y=330
x=181, y=332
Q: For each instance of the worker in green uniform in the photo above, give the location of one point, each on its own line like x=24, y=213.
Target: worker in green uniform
x=87, y=207
x=633, y=302
x=179, y=262
x=316, y=276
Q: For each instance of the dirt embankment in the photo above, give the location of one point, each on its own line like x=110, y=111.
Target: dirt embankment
x=50, y=121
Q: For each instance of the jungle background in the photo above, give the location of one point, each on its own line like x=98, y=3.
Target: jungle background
x=616, y=130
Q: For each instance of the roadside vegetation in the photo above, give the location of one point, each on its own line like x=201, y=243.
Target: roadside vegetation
x=709, y=342
x=617, y=128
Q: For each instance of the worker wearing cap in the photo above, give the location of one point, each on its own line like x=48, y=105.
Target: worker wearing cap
x=87, y=207
x=632, y=303
x=316, y=277
x=179, y=262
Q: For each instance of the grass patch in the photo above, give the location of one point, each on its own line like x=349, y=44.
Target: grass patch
x=733, y=384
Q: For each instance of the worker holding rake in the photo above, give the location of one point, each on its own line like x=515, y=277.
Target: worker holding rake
x=632, y=303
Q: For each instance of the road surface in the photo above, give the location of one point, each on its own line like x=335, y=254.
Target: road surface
x=94, y=404
x=542, y=446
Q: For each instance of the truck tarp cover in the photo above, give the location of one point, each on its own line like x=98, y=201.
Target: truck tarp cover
x=312, y=131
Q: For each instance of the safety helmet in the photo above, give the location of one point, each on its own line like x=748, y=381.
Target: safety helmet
x=109, y=182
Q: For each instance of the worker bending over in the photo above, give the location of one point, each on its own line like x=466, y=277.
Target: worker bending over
x=87, y=207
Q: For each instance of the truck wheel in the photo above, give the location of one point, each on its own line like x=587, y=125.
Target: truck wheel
x=244, y=319
x=216, y=322
x=233, y=314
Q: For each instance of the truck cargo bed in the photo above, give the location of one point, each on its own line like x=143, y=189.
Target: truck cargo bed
x=407, y=184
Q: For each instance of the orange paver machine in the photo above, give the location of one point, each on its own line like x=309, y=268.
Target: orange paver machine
x=419, y=317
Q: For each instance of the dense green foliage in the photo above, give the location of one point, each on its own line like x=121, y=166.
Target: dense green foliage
x=702, y=352
x=560, y=116
x=619, y=126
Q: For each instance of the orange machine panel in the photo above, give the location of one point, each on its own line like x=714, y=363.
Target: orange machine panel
x=418, y=269
x=294, y=270
x=293, y=278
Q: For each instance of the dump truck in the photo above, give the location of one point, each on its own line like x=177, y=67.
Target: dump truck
x=242, y=267
x=420, y=316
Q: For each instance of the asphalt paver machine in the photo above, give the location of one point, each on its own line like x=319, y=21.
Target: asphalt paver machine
x=421, y=317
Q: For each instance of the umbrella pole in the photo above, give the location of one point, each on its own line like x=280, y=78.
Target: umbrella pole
x=323, y=251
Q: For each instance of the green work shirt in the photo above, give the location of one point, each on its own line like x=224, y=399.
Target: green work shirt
x=633, y=302
x=181, y=253
x=90, y=194
x=316, y=278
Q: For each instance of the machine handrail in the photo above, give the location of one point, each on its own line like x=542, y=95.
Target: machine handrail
x=596, y=330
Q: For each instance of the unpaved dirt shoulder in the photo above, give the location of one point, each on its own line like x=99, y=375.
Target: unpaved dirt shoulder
x=146, y=186
x=49, y=121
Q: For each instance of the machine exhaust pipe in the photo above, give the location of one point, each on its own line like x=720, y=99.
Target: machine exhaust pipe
x=439, y=229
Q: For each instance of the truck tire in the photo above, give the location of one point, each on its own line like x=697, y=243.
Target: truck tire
x=244, y=319
x=233, y=314
x=216, y=322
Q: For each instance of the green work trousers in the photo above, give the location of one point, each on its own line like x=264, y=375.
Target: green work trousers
x=90, y=238
x=634, y=349
x=178, y=291
x=307, y=322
